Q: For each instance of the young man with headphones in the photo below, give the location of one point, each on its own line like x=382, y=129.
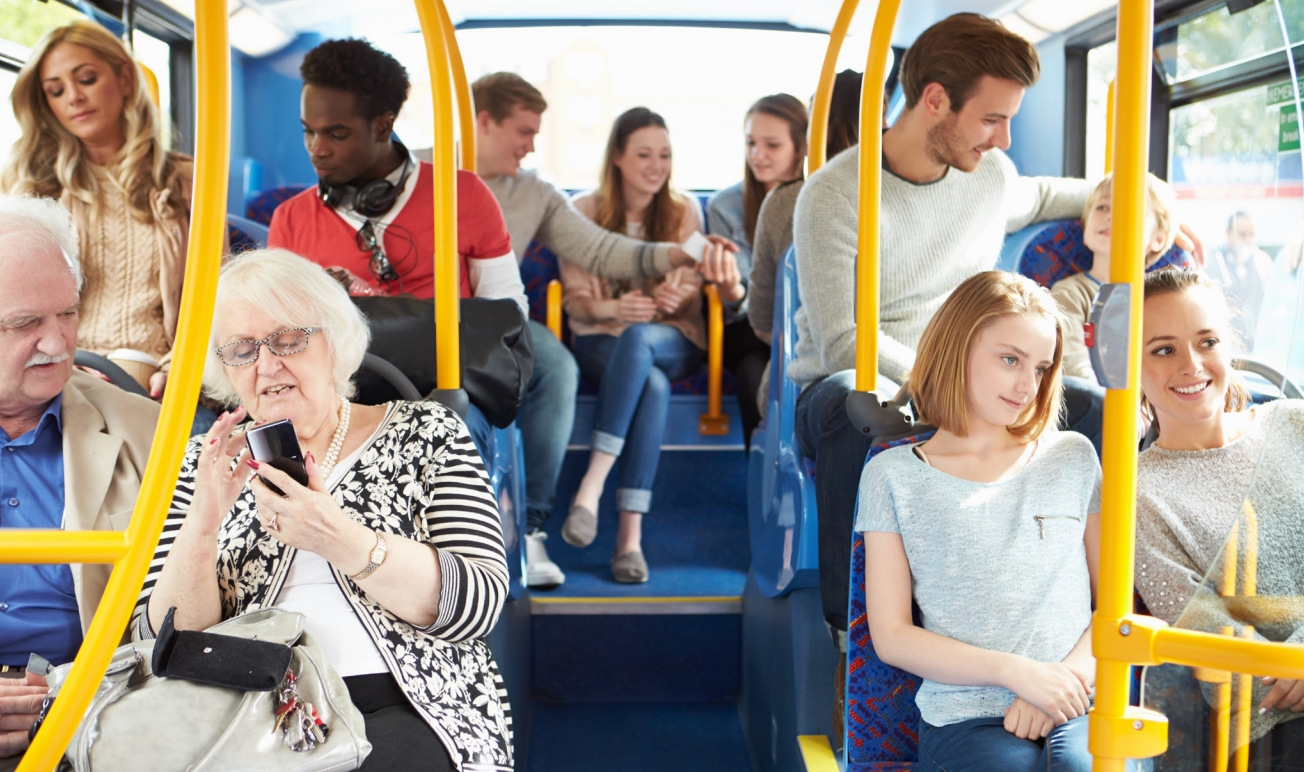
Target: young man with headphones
x=371, y=213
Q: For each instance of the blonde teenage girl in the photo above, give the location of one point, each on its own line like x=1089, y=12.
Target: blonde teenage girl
x=991, y=527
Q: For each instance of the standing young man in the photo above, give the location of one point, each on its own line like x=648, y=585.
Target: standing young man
x=508, y=114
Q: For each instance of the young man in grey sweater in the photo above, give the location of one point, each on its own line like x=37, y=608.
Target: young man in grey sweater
x=949, y=196
x=508, y=113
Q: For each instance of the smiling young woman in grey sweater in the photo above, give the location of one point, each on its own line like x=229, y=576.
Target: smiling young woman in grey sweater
x=1217, y=460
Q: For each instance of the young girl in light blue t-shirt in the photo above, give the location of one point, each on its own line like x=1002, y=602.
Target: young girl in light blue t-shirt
x=991, y=527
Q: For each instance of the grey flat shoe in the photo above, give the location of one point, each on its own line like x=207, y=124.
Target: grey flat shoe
x=630, y=568
x=581, y=526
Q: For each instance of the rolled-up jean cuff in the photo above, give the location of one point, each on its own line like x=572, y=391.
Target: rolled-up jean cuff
x=634, y=500
x=608, y=443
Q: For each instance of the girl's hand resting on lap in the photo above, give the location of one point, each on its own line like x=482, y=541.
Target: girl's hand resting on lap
x=1027, y=722
x=635, y=308
x=669, y=297
x=1053, y=688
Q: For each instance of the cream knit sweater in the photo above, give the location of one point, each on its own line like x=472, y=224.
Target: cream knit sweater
x=933, y=237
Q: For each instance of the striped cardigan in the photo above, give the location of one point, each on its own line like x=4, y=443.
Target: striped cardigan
x=420, y=477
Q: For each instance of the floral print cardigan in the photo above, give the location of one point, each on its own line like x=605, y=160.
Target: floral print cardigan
x=420, y=477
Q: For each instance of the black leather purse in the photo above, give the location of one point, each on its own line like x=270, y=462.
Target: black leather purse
x=497, y=351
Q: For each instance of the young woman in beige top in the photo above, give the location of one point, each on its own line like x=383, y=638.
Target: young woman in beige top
x=631, y=339
x=91, y=139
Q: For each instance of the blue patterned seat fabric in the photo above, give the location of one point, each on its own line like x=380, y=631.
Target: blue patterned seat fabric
x=1057, y=252
x=882, y=721
x=260, y=207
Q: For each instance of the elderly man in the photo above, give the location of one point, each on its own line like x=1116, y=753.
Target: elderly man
x=72, y=452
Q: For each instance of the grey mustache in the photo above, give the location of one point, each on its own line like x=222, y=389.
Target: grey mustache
x=40, y=358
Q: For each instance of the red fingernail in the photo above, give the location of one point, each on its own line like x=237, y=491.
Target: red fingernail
x=213, y=441
x=252, y=464
x=310, y=458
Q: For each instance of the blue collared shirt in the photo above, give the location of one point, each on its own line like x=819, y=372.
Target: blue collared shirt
x=38, y=607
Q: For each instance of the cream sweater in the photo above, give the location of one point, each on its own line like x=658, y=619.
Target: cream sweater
x=933, y=237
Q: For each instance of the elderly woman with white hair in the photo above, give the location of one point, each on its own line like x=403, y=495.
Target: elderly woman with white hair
x=394, y=549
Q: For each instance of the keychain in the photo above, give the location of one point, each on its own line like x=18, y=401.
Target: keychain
x=296, y=718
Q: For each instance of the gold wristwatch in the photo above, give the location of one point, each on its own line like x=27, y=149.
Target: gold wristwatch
x=377, y=557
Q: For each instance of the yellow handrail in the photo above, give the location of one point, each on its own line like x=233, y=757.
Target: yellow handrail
x=819, y=109
x=448, y=348
x=1118, y=492
x=465, y=108
x=1109, y=126
x=554, y=307
x=871, y=172
x=207, y=228
x=714, y=422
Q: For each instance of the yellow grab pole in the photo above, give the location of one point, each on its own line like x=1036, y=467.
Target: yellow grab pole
x=207, y=228
x=554, y=307
x=819, y=109
x=714, y=422
x=51, y=546
x=1118, y=492
x=448, y=354
x=465, y=109
x=1109, y=127
x=871, y=172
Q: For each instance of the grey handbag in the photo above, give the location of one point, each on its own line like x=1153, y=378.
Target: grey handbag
x=138, y=720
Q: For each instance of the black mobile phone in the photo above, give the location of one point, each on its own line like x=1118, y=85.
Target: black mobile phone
x=276, y=444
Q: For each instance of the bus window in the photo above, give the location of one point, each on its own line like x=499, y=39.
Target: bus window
x=1102, y=64
x=156, y=55
x=21, y=25
x=1219, y=39
x=589, y=75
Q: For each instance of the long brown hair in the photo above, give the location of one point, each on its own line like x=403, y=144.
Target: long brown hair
x=844, y=113
x=664, y=215
x=790, y=109
x=48, y=160
x=1180, y=280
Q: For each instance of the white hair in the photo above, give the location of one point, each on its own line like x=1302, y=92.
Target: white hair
x=40, y=223
x=296, y=292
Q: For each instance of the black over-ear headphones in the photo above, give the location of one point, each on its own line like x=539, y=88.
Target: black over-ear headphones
x=374, y=198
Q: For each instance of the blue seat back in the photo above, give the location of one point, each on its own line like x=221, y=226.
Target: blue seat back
x=245, y=234
x=882, y=721
x=1056, y=252
x=782, y=520
x=261, y=206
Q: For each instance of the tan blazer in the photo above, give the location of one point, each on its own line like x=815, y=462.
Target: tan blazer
x=107, y=435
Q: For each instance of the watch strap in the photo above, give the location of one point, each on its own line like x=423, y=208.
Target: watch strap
x=376, y=558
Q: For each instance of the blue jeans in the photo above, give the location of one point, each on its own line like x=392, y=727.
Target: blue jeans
x=634, y=403
x=983, y=745
x=546, y=419
x=826, y=435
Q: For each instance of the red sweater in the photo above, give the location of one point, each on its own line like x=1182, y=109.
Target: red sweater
x=306, y=226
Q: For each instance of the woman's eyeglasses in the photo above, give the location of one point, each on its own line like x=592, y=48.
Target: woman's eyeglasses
x=282, y=344
x=379, y=264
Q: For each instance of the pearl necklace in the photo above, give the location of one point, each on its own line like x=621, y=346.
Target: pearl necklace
x=337, y=441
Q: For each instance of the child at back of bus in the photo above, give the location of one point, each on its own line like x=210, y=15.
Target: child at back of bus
x=1076, y=293
x=991, y=527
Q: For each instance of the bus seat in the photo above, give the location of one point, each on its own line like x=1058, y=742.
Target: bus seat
x=782, y=523
x=116, y=375
x=1056, y=252
x=882, y=720
x=245, y=234
x=539, y=268
x=260, y=206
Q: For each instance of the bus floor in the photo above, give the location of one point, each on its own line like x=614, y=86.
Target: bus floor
x=645, y=677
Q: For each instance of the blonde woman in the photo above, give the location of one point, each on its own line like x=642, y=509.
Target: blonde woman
x=91, y=139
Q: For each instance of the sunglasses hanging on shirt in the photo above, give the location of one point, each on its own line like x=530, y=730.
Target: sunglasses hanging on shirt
x=368, y=241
